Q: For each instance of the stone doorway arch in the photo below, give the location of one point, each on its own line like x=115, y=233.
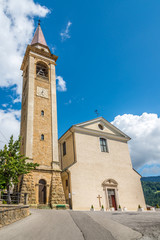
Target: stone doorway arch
x=110, y=187
x=42, y=191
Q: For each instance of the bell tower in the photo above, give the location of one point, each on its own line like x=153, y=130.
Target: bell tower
x=39, y=140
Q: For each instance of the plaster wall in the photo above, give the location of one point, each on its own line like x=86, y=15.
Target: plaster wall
x=93, y=167
x=67, y=159
x=94, y=126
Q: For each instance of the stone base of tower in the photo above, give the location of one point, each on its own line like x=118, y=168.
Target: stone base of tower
x=42, y=187
x=57, y=193
x=27, y=189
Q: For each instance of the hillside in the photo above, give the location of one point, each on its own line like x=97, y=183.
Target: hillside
x=151, y=179
x=151, y=189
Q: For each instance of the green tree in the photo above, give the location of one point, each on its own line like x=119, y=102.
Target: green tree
x=12, y=165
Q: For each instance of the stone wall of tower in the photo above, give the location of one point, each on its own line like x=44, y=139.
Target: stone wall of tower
x=33, y=124
x=42, y=150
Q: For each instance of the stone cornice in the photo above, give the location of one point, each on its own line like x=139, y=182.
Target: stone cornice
x=93, y=133
x=37, y=51
x=100, y=134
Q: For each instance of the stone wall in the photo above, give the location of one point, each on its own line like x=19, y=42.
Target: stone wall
x=28, y=186
x=12, y=213
x=57, y=193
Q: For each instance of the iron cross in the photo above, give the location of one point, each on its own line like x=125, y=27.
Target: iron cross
x=99, y=197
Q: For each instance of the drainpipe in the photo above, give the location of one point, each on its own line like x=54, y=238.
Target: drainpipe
x=69, y=189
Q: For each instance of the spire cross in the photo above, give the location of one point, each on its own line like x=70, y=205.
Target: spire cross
x=99, y=197
x=96, y=112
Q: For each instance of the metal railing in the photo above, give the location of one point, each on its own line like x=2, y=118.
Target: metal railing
x=15, y=197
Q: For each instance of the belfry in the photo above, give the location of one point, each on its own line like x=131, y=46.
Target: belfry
x=39, y=140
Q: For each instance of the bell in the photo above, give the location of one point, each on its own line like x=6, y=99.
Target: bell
x=41, y=72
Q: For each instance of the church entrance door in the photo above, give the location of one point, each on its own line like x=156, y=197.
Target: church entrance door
x=42, y=191
x=112, y=199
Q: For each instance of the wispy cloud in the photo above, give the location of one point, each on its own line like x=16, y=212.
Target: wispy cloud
x=65, y=34
x=53, y=49
x=69, y=102
x=61, y=84
x=17, y=100
x=5, y=105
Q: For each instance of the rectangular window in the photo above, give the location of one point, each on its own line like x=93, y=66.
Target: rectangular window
x=66, y=183
x=64, y=148
x=103, y=144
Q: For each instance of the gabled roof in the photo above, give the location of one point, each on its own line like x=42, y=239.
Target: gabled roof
x=88, y=127
x=87, y=124
x=39, y=37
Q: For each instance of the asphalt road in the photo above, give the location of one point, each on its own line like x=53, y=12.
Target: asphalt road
x=147, y=223
x=76, y=225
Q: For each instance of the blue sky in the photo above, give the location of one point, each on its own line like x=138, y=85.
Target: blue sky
x=109, y=58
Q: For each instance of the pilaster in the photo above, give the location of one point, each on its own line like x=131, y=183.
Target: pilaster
x=55, y=158
x=30, y=108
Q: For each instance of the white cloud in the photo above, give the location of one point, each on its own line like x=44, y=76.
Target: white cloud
x=69, y=102
x=9, y=125
x=148, y=170
x=18, y=99
x=65, y=33
x=4, y=105
x=61, y=85
x=53, y=49
x=145, y=133
x=16, y=31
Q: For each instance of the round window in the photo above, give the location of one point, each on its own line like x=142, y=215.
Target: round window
x=100, y=127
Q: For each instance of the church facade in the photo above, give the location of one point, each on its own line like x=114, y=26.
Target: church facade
x=90, y=165
x=97, y=169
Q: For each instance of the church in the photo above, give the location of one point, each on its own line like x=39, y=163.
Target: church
x=89, y=165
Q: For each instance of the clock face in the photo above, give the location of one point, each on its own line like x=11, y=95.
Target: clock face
x=42, y=92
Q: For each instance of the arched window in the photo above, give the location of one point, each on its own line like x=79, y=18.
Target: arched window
x=42, y=181
x=42, y=113
x=103, y=145
x=42, y=137
x=42, y=70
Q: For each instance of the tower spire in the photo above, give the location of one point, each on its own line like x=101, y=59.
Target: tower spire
x=38, y=36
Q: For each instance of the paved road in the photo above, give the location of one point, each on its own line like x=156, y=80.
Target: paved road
x=67, y=225
x=147, y=223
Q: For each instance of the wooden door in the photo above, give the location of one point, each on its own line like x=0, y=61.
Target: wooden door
x=112, y=198
x=114, y=202
x=42, y=191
